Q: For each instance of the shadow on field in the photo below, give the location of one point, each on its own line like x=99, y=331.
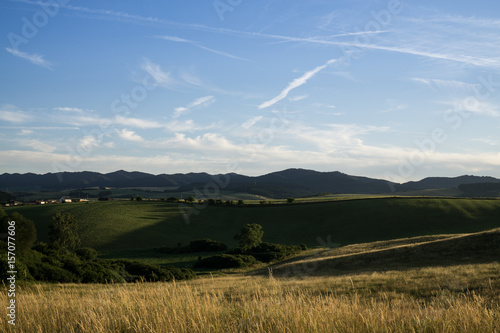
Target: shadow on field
x=475, y=248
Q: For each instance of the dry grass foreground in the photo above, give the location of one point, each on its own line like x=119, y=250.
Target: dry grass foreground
x=460, y=298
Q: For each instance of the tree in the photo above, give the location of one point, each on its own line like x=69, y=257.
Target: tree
x=25, y=231
x=63, y=232
x=139, y=198
x=290, y=200
x=250, y=236
x=190, y=199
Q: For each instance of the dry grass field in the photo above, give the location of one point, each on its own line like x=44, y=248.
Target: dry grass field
x=463, y=298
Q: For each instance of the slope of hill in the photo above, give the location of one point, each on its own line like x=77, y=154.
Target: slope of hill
x=472, y=248
x=282, y=184
x=145, y=225
x=444, y=182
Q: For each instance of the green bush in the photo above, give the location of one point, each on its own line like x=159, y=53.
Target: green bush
x=137, y=271
x=87, y=253
x=267, y=252
x=226, y=261
x=48, y=264
x=199, y=245
x=206, y=245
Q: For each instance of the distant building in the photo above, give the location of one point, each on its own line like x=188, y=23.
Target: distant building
x=64, y=199
x=79, y=200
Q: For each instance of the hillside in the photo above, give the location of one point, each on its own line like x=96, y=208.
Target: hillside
x=281, y=184
x=399, y=254
x=444, y=182
x=130, y=225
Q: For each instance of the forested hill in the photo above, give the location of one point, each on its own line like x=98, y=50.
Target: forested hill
x=290, y=182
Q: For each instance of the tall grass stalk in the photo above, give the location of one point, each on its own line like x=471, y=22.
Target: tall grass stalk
x=264, y=304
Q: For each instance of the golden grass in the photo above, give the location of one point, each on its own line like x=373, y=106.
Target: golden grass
x=454, y=299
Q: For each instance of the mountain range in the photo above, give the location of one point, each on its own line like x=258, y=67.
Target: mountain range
x=290, y=182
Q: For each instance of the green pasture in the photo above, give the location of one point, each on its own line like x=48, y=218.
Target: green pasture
x=130, y=225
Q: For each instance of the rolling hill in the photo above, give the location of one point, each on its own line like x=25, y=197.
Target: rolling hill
x=399, y=254
x=129, y=225
x=282, y=184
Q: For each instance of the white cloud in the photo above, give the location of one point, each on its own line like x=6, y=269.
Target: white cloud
x=162, y=78
x=322, y=105
x=295, y=84
x=449, y=84
x=25, y=132
x=488, y=141
x=33, y=58
x=199, y=102
x=37, y=145
x=250, y=122
x=129, y=135
x=473, y=105
x=88, y=141
x=69, y=109
x=201, y=46
x=13, y=114
x=298, y=98
x=136, y=122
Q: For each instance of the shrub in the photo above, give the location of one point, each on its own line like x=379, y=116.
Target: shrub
x=206, y=245
x=226, y=261
x=199, y=245
x=48, y=272
x=267, y=252
x=137, y=271
x=87, y=253
x=94, y=272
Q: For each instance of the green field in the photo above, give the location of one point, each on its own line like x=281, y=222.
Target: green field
x=129, y=225
x=406, y=265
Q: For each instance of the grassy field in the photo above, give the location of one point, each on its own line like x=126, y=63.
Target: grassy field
x=460, y=298
x=398, y=254
x=432, y=283
x=127, y=225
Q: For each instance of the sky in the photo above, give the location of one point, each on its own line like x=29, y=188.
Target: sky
x=394, y=89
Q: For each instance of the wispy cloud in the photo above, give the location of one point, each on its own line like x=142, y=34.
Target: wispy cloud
x=161, y=77
x=298, y=98
x=136, y=122
x=129, y=135
x=295, y=84
x=250, y=122
x=199, y=102
x=68, y=109
x=201, y=46
x=33, y=58
x=473, y=105
x=42, y=128
x=37, y=145
x=13, y=114
x=396, y=42
x=449, y=84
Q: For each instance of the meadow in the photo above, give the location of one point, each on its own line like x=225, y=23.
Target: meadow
x=461, y=298
x=130, y=229
x=405, y=265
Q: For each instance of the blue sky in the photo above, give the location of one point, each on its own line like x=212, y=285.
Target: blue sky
x=399, y=90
